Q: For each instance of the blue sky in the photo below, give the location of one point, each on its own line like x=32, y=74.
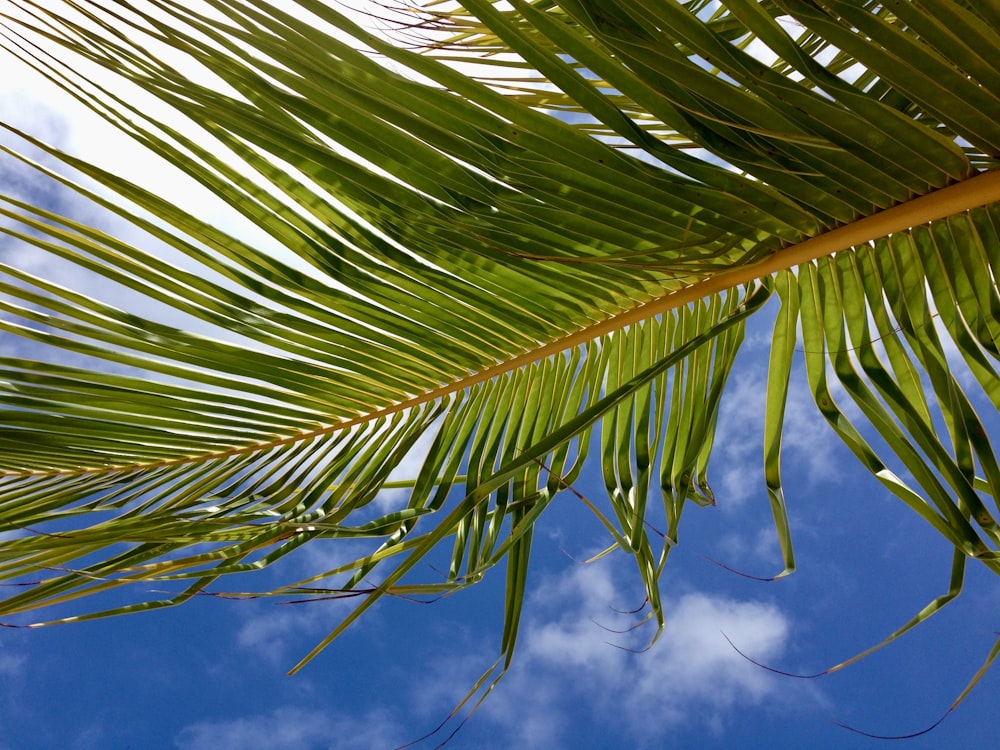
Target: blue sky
x=211, y=674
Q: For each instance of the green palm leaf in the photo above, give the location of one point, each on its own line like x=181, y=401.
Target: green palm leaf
x=537, y=235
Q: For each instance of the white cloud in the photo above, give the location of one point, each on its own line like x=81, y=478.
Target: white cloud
x=691, y=676
x=37, y=106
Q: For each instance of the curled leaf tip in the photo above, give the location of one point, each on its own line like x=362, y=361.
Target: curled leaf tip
x=910, y=736
x=740, y=573
x=772, y=669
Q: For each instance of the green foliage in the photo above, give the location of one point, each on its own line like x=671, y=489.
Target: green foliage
x=501, y=227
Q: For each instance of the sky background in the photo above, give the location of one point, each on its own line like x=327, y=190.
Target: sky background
x=211, y=673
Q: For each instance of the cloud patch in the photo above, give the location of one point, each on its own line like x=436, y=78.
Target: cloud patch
x=690, y=677
x=290, y=727
x=11, y=665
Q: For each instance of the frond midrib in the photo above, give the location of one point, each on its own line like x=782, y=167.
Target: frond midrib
x=974, y=192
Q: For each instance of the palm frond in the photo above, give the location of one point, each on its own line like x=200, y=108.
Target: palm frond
x=548, y=222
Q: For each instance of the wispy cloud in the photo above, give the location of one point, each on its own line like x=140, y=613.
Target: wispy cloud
x=274, y=631
x=748, y=545
x=291, y=727
x=393, y=499
x=736, y=461
x=272, y=634
x=808, y=443
x=11, y=664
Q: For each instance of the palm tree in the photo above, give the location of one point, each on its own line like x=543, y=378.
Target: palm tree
x=521, y=231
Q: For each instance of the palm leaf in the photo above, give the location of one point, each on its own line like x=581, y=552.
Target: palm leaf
x=541, y=229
